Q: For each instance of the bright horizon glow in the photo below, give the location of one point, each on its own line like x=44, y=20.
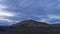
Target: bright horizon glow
x=5, y=13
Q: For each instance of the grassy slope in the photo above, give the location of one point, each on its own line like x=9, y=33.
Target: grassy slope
x=36, y=28
x=31, y=23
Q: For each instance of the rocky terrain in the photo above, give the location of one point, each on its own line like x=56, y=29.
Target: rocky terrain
x=30, y=27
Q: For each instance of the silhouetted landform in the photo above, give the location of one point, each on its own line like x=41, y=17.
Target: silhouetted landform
x=31, y=27
x=30, y=23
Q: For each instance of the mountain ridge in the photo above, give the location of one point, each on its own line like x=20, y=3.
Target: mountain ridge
x=29, y=22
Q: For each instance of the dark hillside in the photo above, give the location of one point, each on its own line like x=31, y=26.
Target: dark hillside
x=31, y=27
x=30, y=23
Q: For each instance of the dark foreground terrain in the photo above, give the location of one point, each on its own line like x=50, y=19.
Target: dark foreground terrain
x=31, y=30
x=30, y=27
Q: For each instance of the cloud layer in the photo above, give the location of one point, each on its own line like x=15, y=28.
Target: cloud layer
x=5, y=15
x=41, y=10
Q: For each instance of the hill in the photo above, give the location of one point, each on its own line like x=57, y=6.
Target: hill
x=34, y=27
x=30, y=23
x=31, y=27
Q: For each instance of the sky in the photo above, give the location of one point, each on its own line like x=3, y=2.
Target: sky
x=13, y=11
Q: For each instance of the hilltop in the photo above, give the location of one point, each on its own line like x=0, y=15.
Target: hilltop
x=30, y=23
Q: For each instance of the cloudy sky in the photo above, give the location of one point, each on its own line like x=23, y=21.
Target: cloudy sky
x=12, y=11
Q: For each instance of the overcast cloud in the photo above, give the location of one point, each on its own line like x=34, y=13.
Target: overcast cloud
x=41, y=10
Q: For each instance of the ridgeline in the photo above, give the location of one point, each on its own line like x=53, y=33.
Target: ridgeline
x=31, y=27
